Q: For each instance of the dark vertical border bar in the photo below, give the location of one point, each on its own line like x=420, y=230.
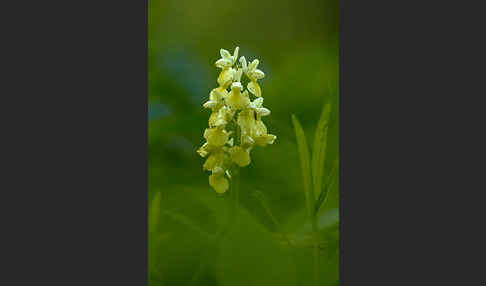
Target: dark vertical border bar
x=145, y=188
x=402, y=87
x=79, y=171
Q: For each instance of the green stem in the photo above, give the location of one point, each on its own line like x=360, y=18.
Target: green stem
x=315, y=232
x=235, y=174
x=236, y=189
x=233, y=212
x=223, y=229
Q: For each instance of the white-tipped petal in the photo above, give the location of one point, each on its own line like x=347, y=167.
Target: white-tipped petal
x=225, y=54
x=257, y=102
x=262, y=111
x=271, y=138
x=253, y=65
x=210, y=104
x=216, y=95
x=235, y=54
x=225, y=77
x=223, y=63
x=236, y=85
x=254, y=88
x=203, y=150
x=220, y=63
x=244, y=65
x=257, y=74
x=237, y=74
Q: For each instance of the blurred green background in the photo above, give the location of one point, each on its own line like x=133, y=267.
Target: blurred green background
x=297, y=43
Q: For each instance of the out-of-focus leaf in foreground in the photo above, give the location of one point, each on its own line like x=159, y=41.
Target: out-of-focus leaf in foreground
x=250, y=255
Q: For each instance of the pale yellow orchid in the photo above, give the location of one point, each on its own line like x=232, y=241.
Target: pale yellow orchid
x=217, y=180
x=240, y=156
x=253, y=74
x=216, y=136
x=234, y=110
x=227, y=60
x=237, y=100
x=217, y=159
x=225, y=63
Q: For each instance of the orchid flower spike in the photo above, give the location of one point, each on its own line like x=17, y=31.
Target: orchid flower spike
x=235, y=124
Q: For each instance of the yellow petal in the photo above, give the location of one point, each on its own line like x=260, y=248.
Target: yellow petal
x=216, y=136
x=246, y=140
x=224, y=54
x=225, y=77
x=237, y=100
x=219, y=117
x=222, y=63
x=215, y=120
x=265, y=139
x=257, y=74
x=240, y=156
x=254, y=88
x=216, y=94
x=203, y=151
x=260, y=134
x=210, y=104
x=214, y=161
x=237, y=75
x=218, y=182
x=246, y=120
x=260, y=128
x=253, y=65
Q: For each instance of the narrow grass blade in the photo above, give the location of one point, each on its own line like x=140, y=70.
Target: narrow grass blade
x=304, y=162
x=328, y=183
x=319, y=150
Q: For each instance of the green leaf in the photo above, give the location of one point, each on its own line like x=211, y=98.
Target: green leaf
x=304, y=161
x=329, y=181
x=319, y=150
x=250, y=255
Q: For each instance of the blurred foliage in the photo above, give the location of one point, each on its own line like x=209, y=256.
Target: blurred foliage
x=297, y=45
